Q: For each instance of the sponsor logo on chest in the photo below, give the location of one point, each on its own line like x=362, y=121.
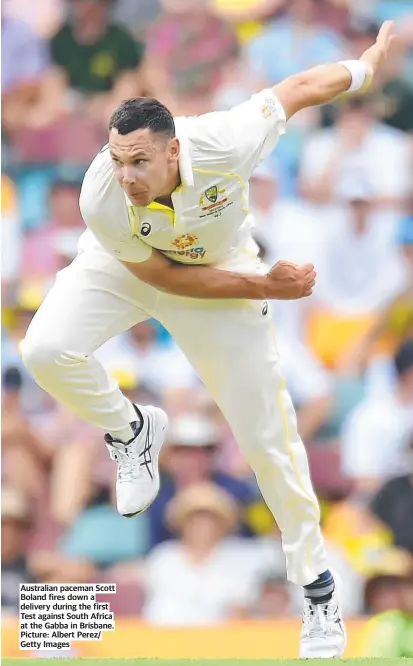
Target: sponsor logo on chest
x=185, y=247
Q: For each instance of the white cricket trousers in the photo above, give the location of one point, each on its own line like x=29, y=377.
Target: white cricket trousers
x=232, y=347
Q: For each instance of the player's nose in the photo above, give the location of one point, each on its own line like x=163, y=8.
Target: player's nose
x=128, y=175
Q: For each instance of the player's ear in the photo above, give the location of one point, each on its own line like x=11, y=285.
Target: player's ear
x=174, y=149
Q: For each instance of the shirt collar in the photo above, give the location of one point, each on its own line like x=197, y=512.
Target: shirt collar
x=185, y=156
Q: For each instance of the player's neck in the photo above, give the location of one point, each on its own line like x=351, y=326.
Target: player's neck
x=174, y=181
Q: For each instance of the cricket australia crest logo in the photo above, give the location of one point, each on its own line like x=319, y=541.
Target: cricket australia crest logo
x=212, y=193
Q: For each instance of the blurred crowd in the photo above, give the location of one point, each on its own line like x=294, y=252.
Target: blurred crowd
x=338, y=191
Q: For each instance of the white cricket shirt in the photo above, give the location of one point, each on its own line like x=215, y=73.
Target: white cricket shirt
x=209, y=222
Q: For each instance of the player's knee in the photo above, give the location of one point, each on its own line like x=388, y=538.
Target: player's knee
x=38, y=355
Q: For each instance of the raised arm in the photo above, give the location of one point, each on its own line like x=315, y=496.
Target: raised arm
x=322, y=84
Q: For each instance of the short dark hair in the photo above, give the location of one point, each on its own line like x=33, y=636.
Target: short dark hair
x=12, y=379
x=141, y=113
x=403, y=359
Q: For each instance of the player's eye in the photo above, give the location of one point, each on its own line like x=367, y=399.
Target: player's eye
x=140, y=161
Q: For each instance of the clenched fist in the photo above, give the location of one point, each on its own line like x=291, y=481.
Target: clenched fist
x=287, y=281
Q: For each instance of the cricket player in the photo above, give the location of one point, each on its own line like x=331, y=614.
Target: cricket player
x=168, y=236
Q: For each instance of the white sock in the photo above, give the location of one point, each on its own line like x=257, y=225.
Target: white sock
x=126, y=434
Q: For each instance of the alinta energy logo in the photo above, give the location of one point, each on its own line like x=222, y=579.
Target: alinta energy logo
x=185, y=241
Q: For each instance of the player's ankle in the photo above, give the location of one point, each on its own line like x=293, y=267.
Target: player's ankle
x=321, y=590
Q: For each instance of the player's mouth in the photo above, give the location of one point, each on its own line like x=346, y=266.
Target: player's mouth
x=140, y=198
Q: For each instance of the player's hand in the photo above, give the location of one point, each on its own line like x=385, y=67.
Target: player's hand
x=375, y=56
x=287, y=281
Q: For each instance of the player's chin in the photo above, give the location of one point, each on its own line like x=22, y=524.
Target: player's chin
x=141, y=198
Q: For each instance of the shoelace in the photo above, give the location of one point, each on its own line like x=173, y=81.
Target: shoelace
x=317, y=617
x=128, y=468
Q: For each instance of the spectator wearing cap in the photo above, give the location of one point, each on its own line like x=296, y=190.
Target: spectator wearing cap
x=189, y=458
x=359, y=268
x=376, y=435
x=203, y=575
x=16, y=526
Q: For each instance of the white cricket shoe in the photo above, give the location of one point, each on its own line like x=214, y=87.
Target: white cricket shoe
x=323, y=635
x=138, y=481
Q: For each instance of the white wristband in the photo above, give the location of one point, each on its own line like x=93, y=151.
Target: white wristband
x=358, y=71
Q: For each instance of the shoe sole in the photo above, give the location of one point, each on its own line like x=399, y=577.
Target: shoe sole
x=159, y=419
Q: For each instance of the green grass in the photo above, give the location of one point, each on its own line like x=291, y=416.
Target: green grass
x=206, y=662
